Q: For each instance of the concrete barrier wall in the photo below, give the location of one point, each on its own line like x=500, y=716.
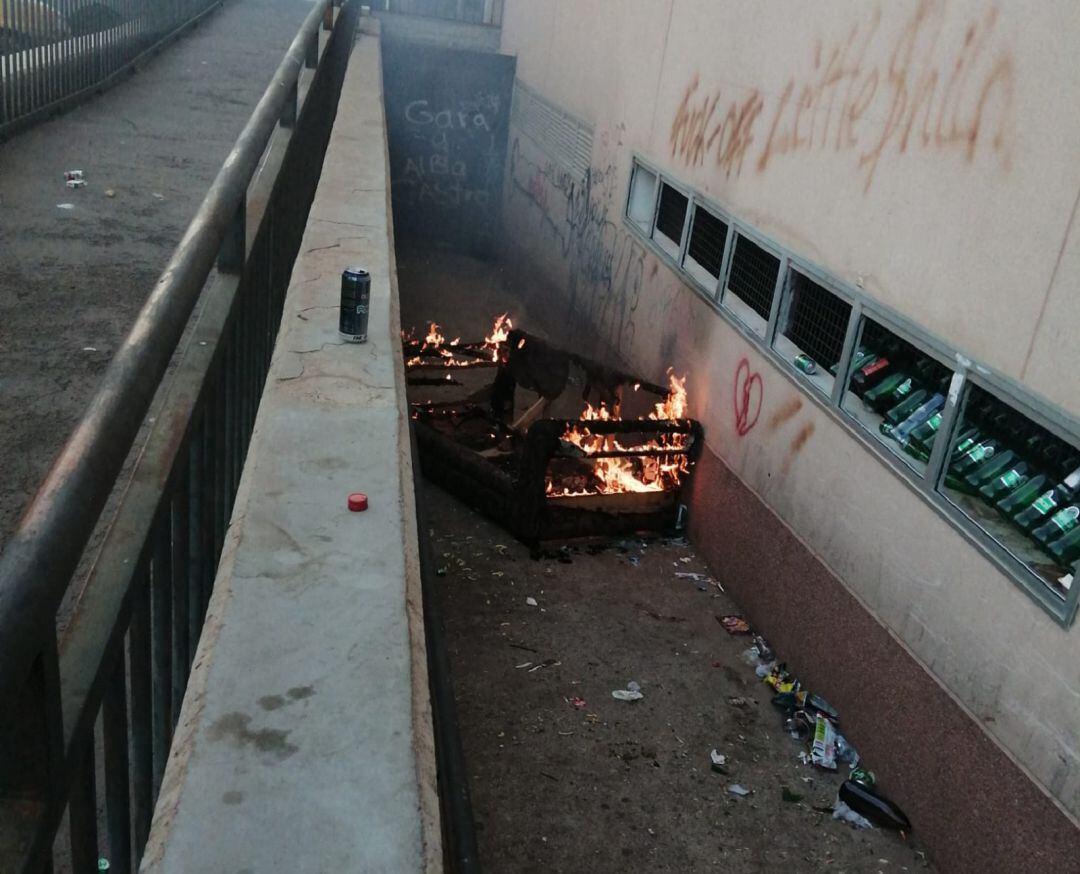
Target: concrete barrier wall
x=305, y=739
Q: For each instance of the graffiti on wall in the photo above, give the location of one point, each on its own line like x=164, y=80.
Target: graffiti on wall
x=438, y=170
x=747, y=398
x=872, y=94
x=606, y=265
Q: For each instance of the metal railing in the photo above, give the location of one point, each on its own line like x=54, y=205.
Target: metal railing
x=105, y=702
x=470, y=11
x=55, y=52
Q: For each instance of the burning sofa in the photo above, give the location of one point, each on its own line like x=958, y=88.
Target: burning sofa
x=499, y=423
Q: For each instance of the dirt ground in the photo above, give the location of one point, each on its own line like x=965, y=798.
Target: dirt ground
x=566, y=778
x=624, y=786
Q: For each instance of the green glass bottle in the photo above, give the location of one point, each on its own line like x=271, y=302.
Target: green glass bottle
x=1001, y=485
x=993, y=467
x=859, y=360
x=974, y=456
x=1023, y=496
x=1038, y=509
x=964, y=442
x=1066, y=549
x=888, y=392
x=1063, y=520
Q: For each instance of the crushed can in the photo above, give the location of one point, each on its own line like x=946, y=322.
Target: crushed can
x=355, y=300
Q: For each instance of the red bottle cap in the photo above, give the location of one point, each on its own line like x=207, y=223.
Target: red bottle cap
x=357, y=502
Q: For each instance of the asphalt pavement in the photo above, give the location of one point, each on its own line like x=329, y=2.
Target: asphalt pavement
x=77, y=265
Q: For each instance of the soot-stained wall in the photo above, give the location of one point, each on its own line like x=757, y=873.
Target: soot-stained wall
x=448, y=114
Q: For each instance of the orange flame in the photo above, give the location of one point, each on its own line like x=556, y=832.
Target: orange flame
x=500, y=333
x=632, y=473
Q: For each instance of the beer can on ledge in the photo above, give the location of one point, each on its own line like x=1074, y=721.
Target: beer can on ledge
x=355, y=299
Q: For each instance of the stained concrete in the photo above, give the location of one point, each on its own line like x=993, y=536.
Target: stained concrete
x=305, y=740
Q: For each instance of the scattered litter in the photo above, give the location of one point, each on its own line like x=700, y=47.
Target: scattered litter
x=73, y=175
x=736, y=789
x=823, y=751
x=633, y=686
x=843, y=812
x=626, y=695
x=876, y=808
x=789, y=796
x=845, y=752
x=634, y=560
x=498, y=574
x=719, y=762
x=441, y=571
x=103, y=864
x=763, y=671
x=546, y=663
x=89, y=348
x=531, y=602
x=764, y=651
x=577, y=702
x=737, y=701
x=523, y=665
x=110, y=193
x=500, y=548
x=158, y=196
x=862, y=777
x=804, y=758
x=734, y=624
x=65, y=206
x=686, y=559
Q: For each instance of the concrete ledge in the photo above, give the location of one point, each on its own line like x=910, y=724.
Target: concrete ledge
x=305, y=739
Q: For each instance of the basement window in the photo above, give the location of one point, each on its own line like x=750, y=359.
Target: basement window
x=1020, y=484
x=897, y=393
x=751, y=284
x=811, y=336
x=670, y=218
x=641, y=205
x=705, y=250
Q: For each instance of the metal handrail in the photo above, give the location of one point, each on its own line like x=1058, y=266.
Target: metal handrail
x=116, y=684
x=40, y=558
x=53, y=55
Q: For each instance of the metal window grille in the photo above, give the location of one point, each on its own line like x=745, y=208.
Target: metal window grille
x=753, y=276
x=818, y=321
x=671, y=213
x=904, y=356
x=707, y=236
x=564, y=138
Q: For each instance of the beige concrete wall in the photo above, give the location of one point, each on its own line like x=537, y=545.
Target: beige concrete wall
x=923, y=150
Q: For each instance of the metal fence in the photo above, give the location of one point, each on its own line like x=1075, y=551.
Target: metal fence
x=55, y=52
x=471, y=11
x=97, y=712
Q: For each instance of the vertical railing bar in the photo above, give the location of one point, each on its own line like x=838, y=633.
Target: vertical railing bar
x=161, y=639
x=181, y=580
x=196, y=483
x=218, y=452
x=114, y=713
x=142, y=779
x=228, y=422
x=82, y=811
x=35, y=54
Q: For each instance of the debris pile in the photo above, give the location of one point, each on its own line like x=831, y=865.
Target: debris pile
x=813, y=722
